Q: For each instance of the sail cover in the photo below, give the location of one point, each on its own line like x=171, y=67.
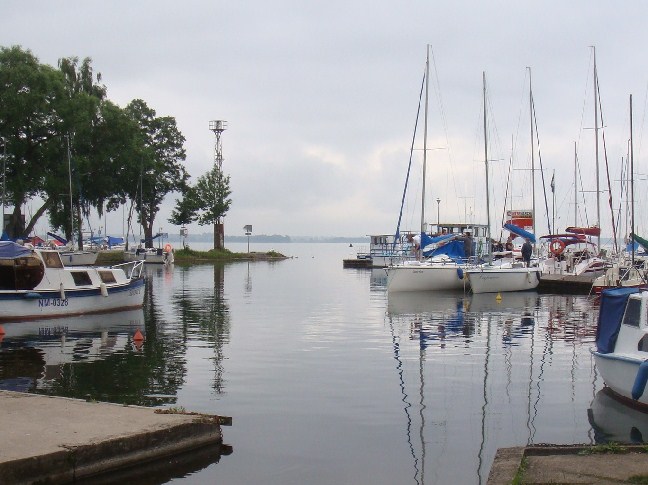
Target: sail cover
x=518, y=231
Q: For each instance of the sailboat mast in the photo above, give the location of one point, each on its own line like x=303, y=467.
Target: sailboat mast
x=425, y=130
x=632, y=215
x=575, y=186
x=533, y=203
x=596, y=145
x=488, y=229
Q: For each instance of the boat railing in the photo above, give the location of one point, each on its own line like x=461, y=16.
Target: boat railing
x=133, y=269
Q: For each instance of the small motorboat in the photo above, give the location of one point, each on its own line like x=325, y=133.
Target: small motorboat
x=34, y=283
x=621, y=353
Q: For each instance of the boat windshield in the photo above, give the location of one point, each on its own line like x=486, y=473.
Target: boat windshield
x=633, y=312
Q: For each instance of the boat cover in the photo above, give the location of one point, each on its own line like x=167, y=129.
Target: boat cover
x=60, y=239
x=640, y=240
x=11, y=250
x=518, y=231
x=588, y=231
x=453, y=247
x=613, y=303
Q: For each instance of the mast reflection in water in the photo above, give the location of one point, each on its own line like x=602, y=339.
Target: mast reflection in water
x=329, y=379
x=487, y=375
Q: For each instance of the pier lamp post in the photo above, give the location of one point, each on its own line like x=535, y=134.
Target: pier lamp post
x=438, y=212
x=248, y=232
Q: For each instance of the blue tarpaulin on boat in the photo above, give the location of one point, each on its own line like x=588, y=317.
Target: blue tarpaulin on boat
x=613, y=303
x=112, y=241
x=11, y=250
x=453, y=249
x=518, y=231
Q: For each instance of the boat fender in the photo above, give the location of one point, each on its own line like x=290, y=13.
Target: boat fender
x=640, y=380
x=167, y=248
x=460, y=273
x=104, y=290
x=32, y=295
x=62, y=291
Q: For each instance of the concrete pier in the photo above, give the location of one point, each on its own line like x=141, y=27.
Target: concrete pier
x=59, y=440
x=584, y=464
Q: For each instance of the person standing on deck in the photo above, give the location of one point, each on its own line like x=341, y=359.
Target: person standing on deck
x=527, y=249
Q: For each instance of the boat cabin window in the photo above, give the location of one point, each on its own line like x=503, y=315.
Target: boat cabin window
x=643, y=344
x=632, y=313
x=107, y=277
x=81, y=278
x=52, y=259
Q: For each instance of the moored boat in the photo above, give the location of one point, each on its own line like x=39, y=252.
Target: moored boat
x=622, y=343
x=34, y=283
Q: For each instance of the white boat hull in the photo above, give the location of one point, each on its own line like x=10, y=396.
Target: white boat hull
x=28, y=305
x=415, y=276
x=489, y=279
x=619, y=373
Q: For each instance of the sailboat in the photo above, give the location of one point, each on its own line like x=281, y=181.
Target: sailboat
x=440, y=270
x=624, y=273
x=509, y=276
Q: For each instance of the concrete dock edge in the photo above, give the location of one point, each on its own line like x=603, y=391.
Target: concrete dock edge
x=59, y=440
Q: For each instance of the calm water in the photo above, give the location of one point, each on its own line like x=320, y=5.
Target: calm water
x=328, y=379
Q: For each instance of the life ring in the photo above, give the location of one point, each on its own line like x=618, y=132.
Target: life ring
x=557, y=247
x=167, y=248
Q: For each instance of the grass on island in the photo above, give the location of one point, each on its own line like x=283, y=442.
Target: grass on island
x=188, y=255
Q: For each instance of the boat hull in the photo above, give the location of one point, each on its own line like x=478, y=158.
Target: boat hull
x=496, y=280
x=619, y=373
x=425, y=277
x=29, y=305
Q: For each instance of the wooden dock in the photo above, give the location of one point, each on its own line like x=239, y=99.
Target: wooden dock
x=357, y=263
x=565, y=284
x=60, y=440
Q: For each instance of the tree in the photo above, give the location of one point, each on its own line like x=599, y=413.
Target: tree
x=207, y=202
x=31, y=97
x=160, y=158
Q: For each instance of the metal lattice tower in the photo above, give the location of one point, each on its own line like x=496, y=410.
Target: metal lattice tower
x=218, y=127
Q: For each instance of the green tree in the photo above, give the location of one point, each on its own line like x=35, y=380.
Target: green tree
x=160, y=161
x=207, y=202
x=31, y=97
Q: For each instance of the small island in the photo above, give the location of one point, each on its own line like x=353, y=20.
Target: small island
x=190, y=256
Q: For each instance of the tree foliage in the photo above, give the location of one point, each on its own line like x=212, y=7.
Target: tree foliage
x=53, y=120
x=206, y=202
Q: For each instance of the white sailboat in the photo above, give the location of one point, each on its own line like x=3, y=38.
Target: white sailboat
x=508, y=276
x=436, y=273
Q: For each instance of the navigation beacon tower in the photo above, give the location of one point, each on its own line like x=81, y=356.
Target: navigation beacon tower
x=218, y=127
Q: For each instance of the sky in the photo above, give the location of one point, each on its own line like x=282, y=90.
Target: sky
x=321, y=101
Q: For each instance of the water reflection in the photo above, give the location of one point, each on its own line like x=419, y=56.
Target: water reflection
x=96, y=357
x=615, y=422
x=479, y=365
x=38, y=355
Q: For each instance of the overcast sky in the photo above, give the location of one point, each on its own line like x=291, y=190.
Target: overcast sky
x=321, y=99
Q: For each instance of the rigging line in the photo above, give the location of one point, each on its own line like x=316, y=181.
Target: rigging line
x=443, y=118
x=544, y=186
x=409, y=165
x=508, y=182
x=607, y=168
